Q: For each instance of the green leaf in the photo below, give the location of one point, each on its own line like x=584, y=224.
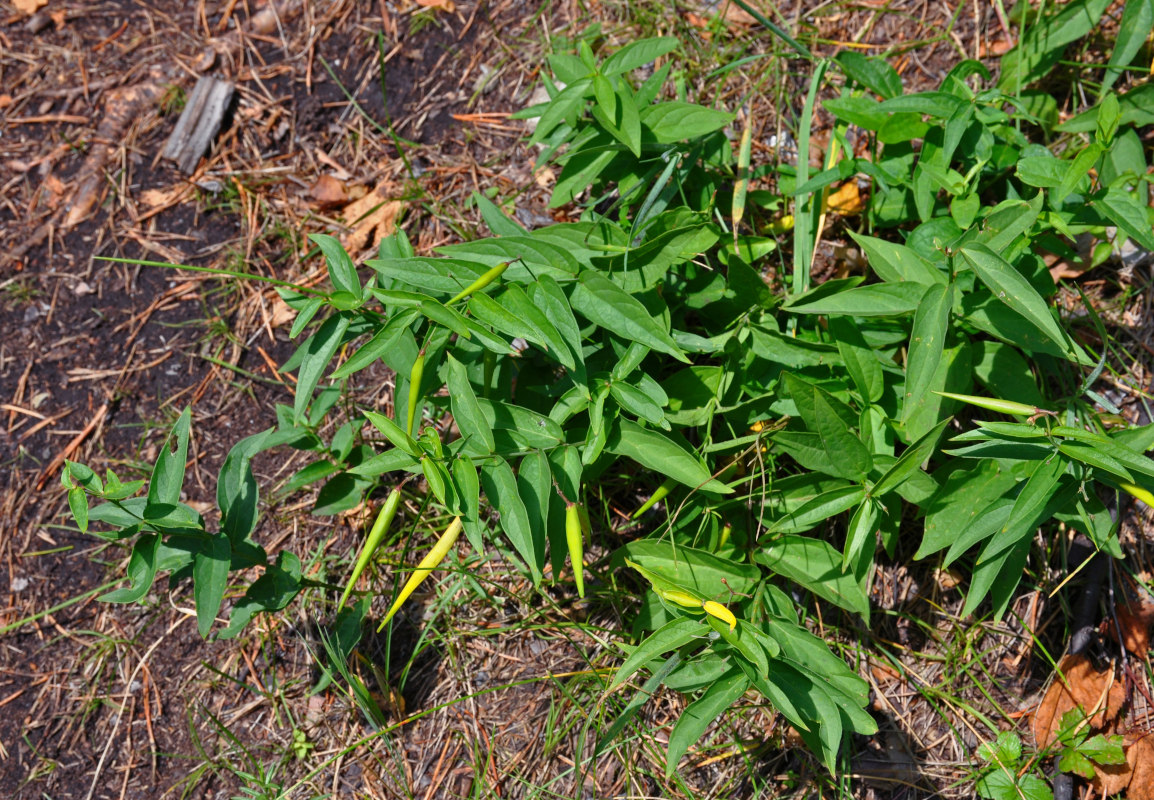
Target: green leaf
x=853, y=458
x=816, y=566
x=548, y=295
x=1027, y=511
x=872, y=72
x=318, y=350
x=1012, y=289
x=78, y=504
x=499, y=224
x=638, y=403
x=381, y=342
x=1043, y=43
x=141, y=571
x=910, y=461
x=638, y=54
x=668, y=637
x=1089, y=454
x=706, y=574
x=272, y=591
x=535, y=485
x=394, y=433
x=210, y=579
x=675, y=121
x=518, y=304
x=966, y=496
x=342, y=271
x=1124, y=209
x=1133, y=30
x=927, y=340
x=874, y=300
x=500, y=487
x=466, y=410
x=604, y=303
x=168, y=472
x=860, y=359
x=700, y=713
x=663, y=455
x=816, y=510
x=468, y=488
x=518, y=428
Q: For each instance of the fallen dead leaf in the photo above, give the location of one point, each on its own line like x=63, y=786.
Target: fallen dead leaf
x=444, y=5
x=5, y=100
x=29, y=7
x=281, y=313
x=1135, y=777
x=373, y=217
x=56, y=189
x=1083, y=686
x=328, y=192
x=845, y=200
x=1135, y=621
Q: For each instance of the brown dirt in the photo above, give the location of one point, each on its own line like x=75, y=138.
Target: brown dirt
x=97, y=358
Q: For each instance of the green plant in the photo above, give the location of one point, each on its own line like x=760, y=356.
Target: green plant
x=1009, y=776
x=797, y=432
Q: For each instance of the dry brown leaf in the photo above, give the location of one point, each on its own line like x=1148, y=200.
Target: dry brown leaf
x=281, y=313
x=373, y=217
x=1142, y=781
x=444, y=5
x=1083, y=686
x=29, y=7
x=845, y=200
x=1135, y=620
x=5, y=100
x=1136, y=776
x=328, y=192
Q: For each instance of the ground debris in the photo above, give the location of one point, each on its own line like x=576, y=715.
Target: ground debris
x=199, y=123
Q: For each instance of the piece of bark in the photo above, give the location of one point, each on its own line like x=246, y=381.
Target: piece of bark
x=199, y=122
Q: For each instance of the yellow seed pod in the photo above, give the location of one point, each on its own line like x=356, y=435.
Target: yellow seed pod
x=430, y=562
x=575, y=538
x=715, y=609
x=1137, y=491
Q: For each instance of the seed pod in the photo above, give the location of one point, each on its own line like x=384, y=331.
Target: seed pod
x=678, y=597
x=481, y=282
x=430, y=562
x=662, y=492
x=373, y=541
x=715, y=609
x=415, y=375
x=574, y=536
x=994, y=404
x=1137, y=491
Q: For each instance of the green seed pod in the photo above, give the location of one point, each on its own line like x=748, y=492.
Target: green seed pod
x=481, y=282
x=574, y=536
x=678, y=597
x=373, y=540
x=430, y=562
x=993, y=404
x=415, y=375
x=662, y=492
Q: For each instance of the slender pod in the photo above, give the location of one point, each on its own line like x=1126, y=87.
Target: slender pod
x=481, y=282
x=715, y=609
x=574, y=536
x=373, y=541
x=662, y=492
x=430, y=562
x=415, y=375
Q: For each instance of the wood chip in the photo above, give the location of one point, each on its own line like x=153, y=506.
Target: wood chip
x=199, y=123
